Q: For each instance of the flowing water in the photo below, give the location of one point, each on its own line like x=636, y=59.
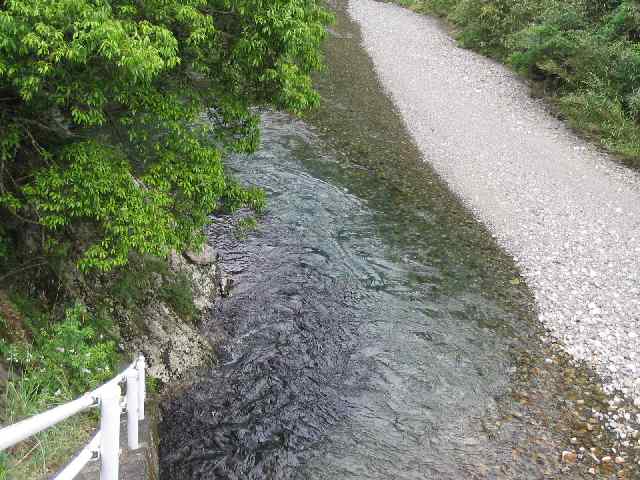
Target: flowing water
x=375, y=330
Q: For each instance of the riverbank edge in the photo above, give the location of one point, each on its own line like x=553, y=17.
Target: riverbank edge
x=622, y=417
x=552, y=97
x=174, y=346
x=582, y=410
x=175, y=351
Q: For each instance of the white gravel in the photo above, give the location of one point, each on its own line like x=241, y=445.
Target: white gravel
x=568, y=215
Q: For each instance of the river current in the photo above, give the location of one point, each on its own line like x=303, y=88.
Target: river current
x=374, y=330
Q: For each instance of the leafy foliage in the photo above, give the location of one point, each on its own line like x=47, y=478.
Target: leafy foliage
x=103, y=143
x=68, y=358
x=585, y=53
x=60, y=362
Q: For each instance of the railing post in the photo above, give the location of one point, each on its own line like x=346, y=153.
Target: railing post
x=107, y=441
x=132, y=408
x=110, y=432
x=142, y=388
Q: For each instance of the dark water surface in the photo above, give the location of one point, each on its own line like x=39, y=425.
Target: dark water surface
x=375, y=330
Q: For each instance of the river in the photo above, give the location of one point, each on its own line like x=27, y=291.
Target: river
x=375, y=330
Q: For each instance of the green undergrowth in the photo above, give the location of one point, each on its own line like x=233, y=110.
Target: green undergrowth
x=53, y=354
x=583, y=55
x=148, y=279
x=49, y=361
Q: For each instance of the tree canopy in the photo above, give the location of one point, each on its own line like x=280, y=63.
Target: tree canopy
x=115, y=115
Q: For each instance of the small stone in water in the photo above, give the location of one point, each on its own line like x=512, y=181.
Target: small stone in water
x=569, y=457
x=619, y=460
x=606, y=459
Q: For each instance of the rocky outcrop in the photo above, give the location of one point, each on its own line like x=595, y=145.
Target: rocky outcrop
x=172, y=347
x=175, y=348
x=206, y=256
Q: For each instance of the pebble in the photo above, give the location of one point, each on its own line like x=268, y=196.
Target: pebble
x=569, y=457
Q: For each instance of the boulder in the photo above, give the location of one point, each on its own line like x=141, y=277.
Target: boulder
x=207, y=256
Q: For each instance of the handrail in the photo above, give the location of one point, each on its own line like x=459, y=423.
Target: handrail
x=105, y=445
x=20, y=431
x=88, y=453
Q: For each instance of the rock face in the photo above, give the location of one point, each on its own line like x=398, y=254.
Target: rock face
x=207, y=256
x=205, y=277
x=173, y=347
x=569, y=457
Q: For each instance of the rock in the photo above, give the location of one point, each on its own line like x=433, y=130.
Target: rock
x=569, y=457
x=173, y=349
x=176, y=348
x=224, y=283
x=207, y=256
x=619, y=460
x=592, y=471
x=606, y=459
x=14, y=328
x=205, y=279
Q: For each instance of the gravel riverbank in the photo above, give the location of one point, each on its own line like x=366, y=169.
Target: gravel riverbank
x=568, y=214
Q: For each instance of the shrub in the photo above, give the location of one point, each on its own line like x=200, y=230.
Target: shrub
x=63, y=361
x=67, y=359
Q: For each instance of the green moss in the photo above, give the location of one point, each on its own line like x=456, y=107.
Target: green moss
x=148, y=279
x=178, y=294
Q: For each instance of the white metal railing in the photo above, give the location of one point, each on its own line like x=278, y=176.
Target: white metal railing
x=105, y=445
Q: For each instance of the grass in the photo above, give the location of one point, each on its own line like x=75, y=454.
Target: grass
x=59, y=359
x=54, y=354
x=581, y=54
x=46, y=453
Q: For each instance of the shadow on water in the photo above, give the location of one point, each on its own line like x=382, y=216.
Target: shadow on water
x=375, y=330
